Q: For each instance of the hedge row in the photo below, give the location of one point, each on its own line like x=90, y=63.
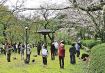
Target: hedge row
x=90, y=43
x=97, y=59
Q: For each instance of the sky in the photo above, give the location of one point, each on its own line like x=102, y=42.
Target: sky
x=33, y=4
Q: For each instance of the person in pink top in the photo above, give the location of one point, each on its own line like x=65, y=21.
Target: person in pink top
x=61, y=53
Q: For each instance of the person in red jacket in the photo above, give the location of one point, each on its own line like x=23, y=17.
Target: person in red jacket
x=61, y=53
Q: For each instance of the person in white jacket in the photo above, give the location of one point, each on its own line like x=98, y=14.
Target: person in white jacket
x=56, y=47
x=44, y=54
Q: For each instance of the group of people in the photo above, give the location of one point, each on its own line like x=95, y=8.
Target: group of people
x=19, y=48
x=59, y=49
x=41, y=47
x=56, y=49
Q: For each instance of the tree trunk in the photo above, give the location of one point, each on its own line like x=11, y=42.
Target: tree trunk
x=4, y=32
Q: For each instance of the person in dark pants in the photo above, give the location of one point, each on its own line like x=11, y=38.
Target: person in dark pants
x=8, y=56
x=45, y=60
x=14, y=47
x=72, y=51
x=52, y=51
x=61, y=53
x=44, y=54
x=38, y=48
x=8, y=52
x=19, y=47
x=61, y=61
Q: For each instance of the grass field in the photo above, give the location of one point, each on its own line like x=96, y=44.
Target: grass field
x=18, y=66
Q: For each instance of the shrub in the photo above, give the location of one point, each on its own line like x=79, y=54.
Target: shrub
x=90, y=43
x=97, y=59
x=1, y=39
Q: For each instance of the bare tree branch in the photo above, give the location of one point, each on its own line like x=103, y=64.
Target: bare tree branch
x=91, y=7
x=24, y=9
x=3, y=2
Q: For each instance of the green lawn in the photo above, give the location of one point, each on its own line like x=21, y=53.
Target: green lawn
x=18, y=66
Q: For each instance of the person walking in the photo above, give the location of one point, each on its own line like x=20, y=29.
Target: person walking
x=44, y=54
x=61, y=53
x=72, y=51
